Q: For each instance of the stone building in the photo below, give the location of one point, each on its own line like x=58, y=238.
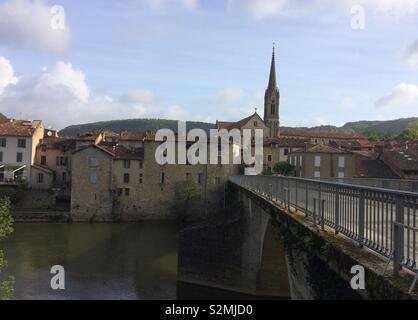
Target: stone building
x=323, y=161
x=18, y=142
x=54, y=155
x=123, y=181
x=278, y=149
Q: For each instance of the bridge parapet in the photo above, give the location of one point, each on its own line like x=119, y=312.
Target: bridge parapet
x=383, y=220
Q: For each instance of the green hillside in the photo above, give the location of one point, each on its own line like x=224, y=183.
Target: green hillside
x=368, y=128
x=133, y=125
x=2, y=116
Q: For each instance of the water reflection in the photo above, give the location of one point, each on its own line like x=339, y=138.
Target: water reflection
x=102, y=261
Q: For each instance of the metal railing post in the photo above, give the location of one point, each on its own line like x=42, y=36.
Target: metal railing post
x=296, y=195
x=314, y=211
x=361, y=218
x=307, y=199
x=322, y=204
x=337, y=210
x=398, y=236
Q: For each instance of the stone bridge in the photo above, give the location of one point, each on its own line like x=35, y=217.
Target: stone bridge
x=290, y=238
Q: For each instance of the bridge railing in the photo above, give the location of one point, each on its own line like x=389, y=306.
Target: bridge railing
x=380, y=219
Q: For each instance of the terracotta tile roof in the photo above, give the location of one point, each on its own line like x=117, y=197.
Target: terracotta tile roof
x=88, y=136
x=368, y=168
x=287, y=142
x=236, y=125
x=124, y=153
x=132, y=136
x=321, y=148
x=57, y=143
x=224, y=124
x=320, y=134
x=17, y=128
x=401, y=159
x=365, y=154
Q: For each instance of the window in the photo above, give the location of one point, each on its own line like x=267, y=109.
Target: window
x=162, y=177
x=273, y=108
x=140, y=178
x=317, y=161
x=19, y=157
x=200, y=178
x=1, y=156
x=255, y=123
x=61, y=161
x=317, y=174
x=93, y=178
x=21, y=143
x=341, y=175
x=40, y=178
x=92, y=161
x=141, y=164
x=269, y=158
x=64, y=176
x=3, y=142
x=286, y=152
x=341, y=162
x=127, y=191
x=126, y=164
x=43, y=160
x=126, y=178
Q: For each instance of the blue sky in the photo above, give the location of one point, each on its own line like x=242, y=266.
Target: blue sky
x=208, y=60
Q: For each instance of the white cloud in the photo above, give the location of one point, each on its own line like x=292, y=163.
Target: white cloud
x=27, y=24
x=65, y=76
x=61, y=96
x=260, y=9
x=403, y=95
x=411, y=54
x=6, y=74
x=347, y=103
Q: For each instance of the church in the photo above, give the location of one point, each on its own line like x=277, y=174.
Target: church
x=271, y=122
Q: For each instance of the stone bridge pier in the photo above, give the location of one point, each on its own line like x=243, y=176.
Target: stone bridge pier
x=260, y=249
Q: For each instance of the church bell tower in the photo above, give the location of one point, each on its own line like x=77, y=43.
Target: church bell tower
x=272, y=102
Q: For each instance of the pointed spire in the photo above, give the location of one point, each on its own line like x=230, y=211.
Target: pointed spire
x=272, y=79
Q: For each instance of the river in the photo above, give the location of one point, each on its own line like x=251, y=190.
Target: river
x=101, y=261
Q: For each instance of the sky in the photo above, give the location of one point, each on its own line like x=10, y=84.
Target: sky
x=207, y=60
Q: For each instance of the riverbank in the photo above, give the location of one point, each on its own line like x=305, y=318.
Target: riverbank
x=40, y=215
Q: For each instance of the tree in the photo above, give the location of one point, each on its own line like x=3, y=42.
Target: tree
x=284, y=168
x=186, y=197
x=410, y=133
x=6, y=228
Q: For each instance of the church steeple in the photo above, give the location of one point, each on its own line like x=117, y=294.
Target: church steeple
x=272, y=101
x=272, y=80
